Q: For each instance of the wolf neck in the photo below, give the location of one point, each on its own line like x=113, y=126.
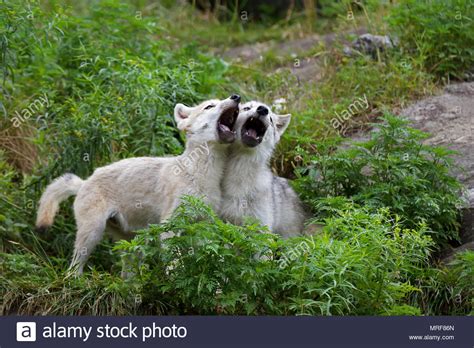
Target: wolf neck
x=204, y=163
x=247, y=162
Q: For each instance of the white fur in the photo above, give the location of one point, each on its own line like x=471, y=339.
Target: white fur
x=250, y=189
x=131, y=194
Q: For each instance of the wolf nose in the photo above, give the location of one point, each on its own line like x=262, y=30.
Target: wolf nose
x=235, y=97
x=262, y=110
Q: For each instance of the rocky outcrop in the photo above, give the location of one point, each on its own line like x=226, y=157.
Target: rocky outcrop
x=449, y=118
x=370, y=44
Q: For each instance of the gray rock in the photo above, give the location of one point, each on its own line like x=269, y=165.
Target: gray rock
x=450, y=255
x=470, y=197
x=370, y=44
x=449, y=118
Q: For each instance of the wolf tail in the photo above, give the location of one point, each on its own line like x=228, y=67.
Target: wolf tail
x=60, y=189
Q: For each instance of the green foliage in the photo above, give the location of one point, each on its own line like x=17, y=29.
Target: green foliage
x=385, y=85
x=447, y=290
x=360, y=264
x=13, y=211
x=395, y=170
x=460, y=276
x=110, y=96
x=31, y=284
x=111, y=79
x=208, y=267
x=112, y=76
x=441, y=31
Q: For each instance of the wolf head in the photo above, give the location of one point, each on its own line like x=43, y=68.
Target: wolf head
x=210, y=121
x=258, y=126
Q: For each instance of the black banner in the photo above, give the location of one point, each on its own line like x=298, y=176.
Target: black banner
x=205, y=331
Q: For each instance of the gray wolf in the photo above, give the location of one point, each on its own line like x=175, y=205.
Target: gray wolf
x=132, y=193
x=249, y=188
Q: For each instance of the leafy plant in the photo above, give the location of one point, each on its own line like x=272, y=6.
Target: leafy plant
x=109, y=96
x=112, y=73
x=447, y=289
x=360, y=264
x=442, y=31
x=395, y=170
x=207, y=267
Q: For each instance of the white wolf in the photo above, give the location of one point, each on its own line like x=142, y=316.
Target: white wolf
x=249, y=187
x=132, y=193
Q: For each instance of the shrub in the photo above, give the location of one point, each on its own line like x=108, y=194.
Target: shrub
x=393, y=169
x=110, y=96
x=446, y=290
x=209, y=267
x=359, y=264
x=442, y=31
x=362, y=263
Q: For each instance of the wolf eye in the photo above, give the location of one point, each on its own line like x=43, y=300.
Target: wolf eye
x=246, y=108
x=210, y=106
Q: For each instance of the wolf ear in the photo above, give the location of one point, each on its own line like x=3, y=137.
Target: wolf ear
x=282, y=123
x=181, y=115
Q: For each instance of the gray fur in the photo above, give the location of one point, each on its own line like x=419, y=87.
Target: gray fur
x=250, y=189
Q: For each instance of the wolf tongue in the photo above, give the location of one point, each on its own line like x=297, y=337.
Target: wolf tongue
x=252, y=133
x=224, y=128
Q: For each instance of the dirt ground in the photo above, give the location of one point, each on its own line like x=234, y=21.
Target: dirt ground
x=307, y=68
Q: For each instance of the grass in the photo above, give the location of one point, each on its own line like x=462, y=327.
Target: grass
x=113, y=72
x=361, y=263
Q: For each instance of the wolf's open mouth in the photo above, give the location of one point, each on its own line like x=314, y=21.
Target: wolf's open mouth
x=226, y=122
x=253, y=131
